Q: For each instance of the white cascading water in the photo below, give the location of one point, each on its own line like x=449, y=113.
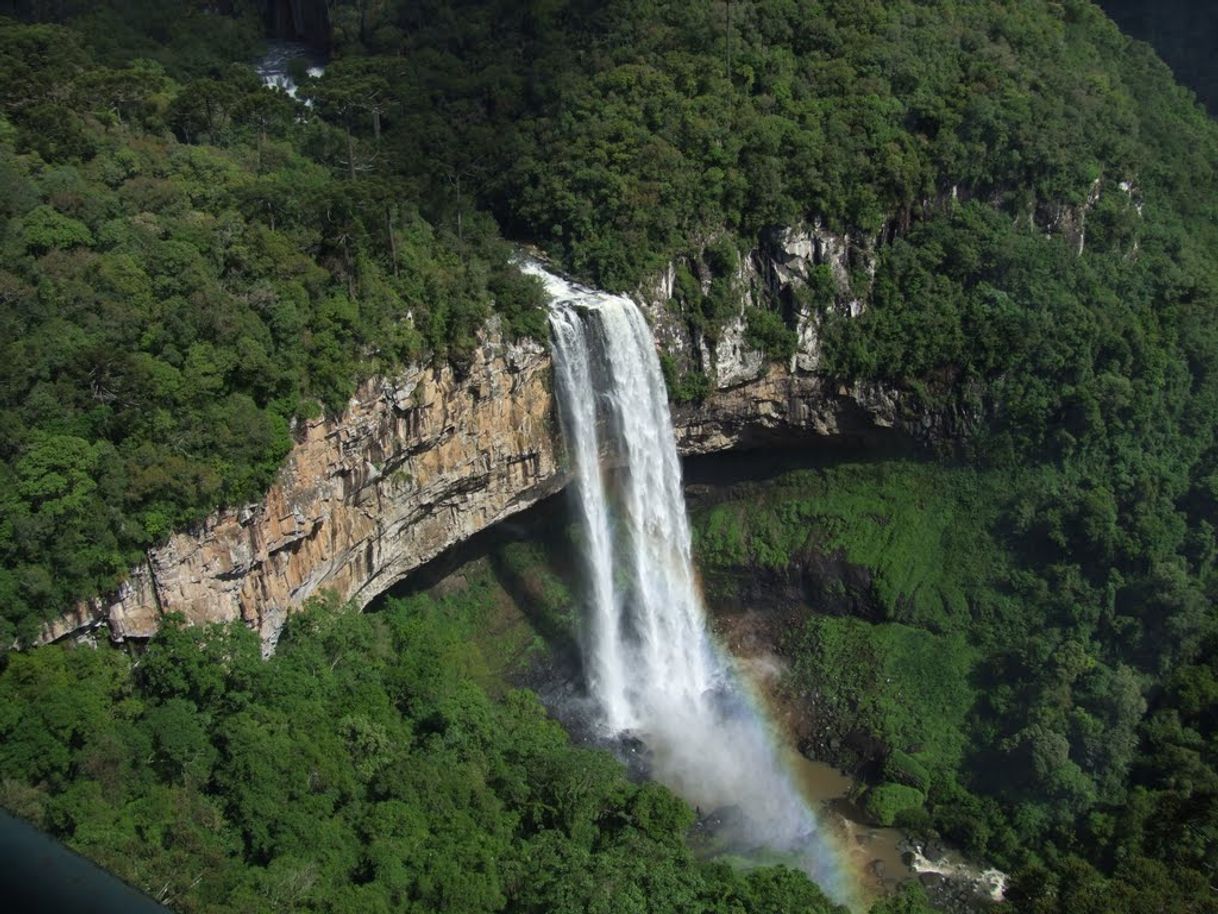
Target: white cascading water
x=650, y=661
x=274, y=67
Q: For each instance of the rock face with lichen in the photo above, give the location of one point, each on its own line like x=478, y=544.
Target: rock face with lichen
x=788, y=271
x=422, y=461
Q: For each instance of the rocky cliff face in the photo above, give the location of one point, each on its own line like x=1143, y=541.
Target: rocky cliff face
x=779, y=274
x=416, y=464
x=424, y=460
x=785, y=408
x=755, y=403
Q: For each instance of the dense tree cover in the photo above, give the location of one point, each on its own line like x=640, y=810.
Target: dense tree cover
x=620, y=134
x=1003, y=700
x=1037, y=197
x=191, y=264
x=360, y=769
x=1087, y=364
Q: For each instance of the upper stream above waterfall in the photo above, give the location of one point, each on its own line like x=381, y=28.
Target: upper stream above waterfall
x=275, y=68
x=657, y=675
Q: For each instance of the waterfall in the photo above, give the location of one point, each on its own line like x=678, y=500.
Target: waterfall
x=651, y=664
x=274, y=66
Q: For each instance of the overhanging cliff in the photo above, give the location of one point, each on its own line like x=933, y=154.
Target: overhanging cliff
x=415, y=464
x=424, y=460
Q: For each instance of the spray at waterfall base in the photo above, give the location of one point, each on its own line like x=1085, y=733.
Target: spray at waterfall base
x=651, y=664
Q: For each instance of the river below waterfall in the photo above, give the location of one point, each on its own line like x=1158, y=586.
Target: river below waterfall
x=658, y=677
x=883, y=858
x=874, y=853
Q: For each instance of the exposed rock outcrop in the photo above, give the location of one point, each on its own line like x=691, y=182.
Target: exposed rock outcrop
x=800, y=271
x=784, y=407
x=414, y=465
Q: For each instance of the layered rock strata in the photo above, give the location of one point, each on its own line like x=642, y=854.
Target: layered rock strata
x=414, y=465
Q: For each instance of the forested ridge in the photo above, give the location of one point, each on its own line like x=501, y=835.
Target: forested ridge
x=193, y=262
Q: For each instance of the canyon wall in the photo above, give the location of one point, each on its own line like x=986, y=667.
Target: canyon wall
x=422, y=461
x=415, y=464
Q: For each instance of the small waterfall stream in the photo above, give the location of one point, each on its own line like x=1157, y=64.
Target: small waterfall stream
x=651, y=663
x=275, y=66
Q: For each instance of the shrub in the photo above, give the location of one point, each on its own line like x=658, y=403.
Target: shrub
x=884, y=803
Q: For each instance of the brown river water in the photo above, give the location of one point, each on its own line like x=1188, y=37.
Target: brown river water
x=874, y=854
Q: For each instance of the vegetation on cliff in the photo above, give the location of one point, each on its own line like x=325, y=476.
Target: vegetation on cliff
x=192, y=262
x=189, y=253
x=1039, y=202
x=189, y=267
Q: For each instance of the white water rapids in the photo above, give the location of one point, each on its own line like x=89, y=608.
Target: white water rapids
x=650, y=661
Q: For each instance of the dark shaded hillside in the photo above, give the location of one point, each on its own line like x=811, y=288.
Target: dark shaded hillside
x=1183, y=32
x=298, y=20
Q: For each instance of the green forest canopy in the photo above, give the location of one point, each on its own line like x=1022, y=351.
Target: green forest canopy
x=192, y=263
x=1021, y=709
x=189, y=270
x=360, y=769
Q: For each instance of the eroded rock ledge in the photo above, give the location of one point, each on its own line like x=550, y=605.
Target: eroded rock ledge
x=416, y=465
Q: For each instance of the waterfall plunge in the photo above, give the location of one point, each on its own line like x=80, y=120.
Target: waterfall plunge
x=650, y=661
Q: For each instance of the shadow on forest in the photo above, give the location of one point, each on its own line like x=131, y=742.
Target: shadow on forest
x=527, y=576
